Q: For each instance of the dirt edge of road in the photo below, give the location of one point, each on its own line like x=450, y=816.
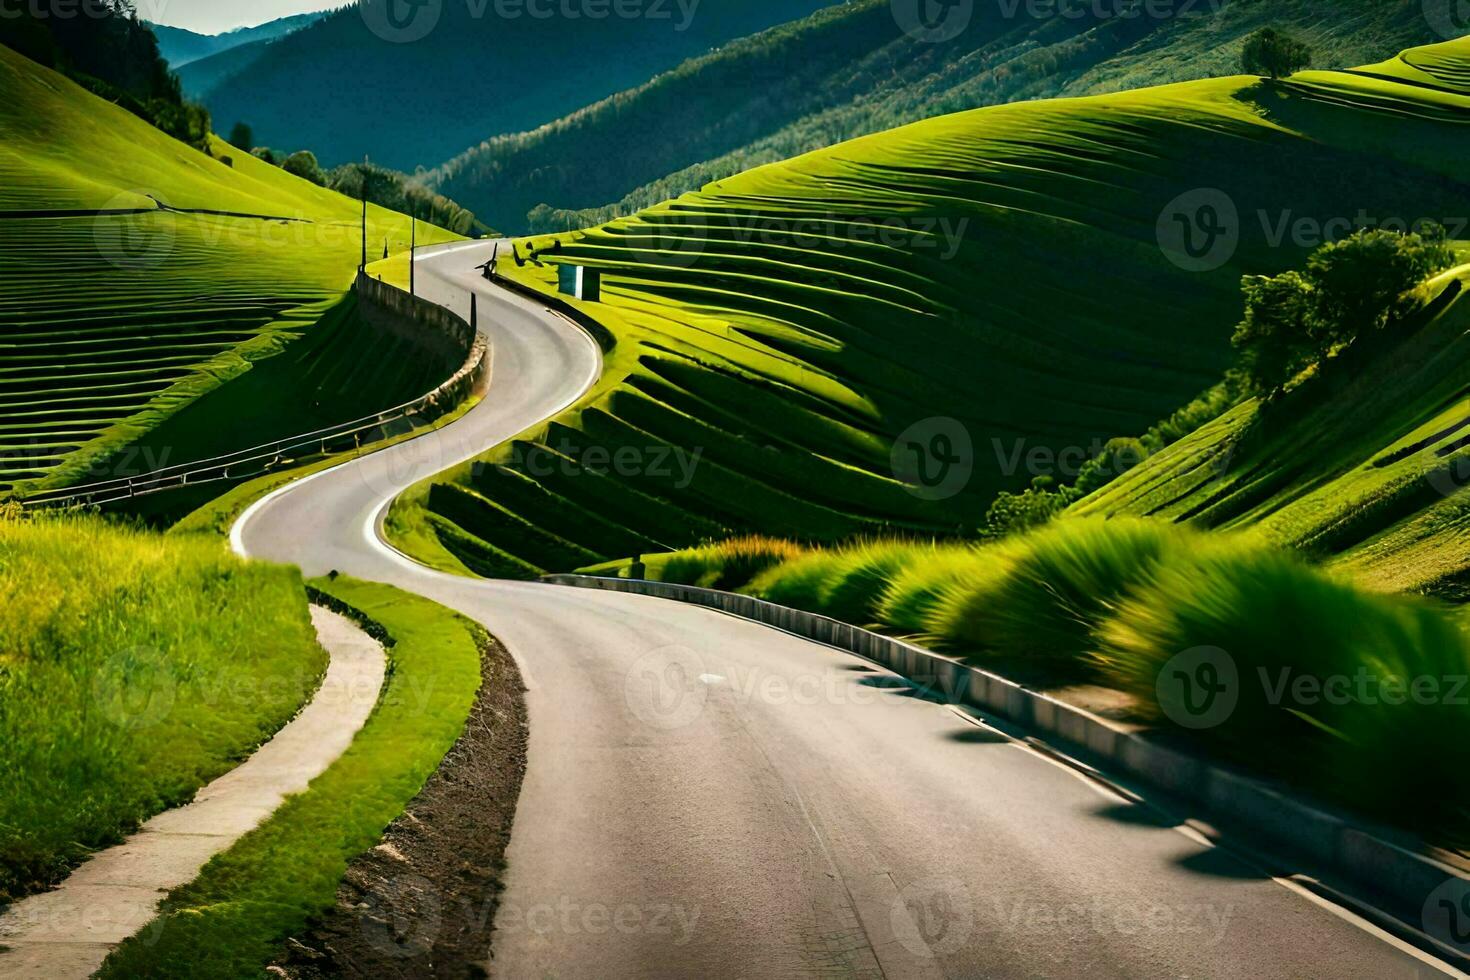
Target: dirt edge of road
x=422, y=902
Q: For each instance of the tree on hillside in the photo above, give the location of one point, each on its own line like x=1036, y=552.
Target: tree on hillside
x=1364, y=282
x=242, y=137
x=1274, y=53
x=303, y=164
x=1275, y=338
x=1352, y=288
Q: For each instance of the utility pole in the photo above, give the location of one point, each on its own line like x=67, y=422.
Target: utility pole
x=363, y=266
x=413, y=247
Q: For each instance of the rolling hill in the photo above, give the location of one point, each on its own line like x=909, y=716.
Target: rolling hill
x=137, y=275
x=345, y=92
x=1367, y=465
x=847, y=71
x=1007, y=278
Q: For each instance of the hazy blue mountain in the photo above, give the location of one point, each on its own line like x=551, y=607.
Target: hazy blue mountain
x=346, y=91
x=181, y=47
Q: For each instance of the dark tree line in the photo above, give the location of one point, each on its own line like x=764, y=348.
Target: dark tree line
x=102, y=45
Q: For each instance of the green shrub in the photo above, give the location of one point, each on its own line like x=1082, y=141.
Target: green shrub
x=728, y=564
x=1280, y=623
x=909, y=597
x=1044, y=598
x=800, y=583
x=855, y=585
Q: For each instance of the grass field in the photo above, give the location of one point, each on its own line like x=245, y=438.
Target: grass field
x=1002, y=268
x=135, y=668
x=231, y=920
x=118, y=321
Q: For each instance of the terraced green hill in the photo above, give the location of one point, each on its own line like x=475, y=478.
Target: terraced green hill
x=851, y=70
x=137, y=274
x=1013, y=269
x=1367, y=465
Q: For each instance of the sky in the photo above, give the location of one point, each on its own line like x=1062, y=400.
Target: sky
x=216, y=16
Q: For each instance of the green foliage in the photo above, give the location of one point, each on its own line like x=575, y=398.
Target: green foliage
x=1338, y=689
x=1363, y=283
x=303, y=164
x=1059, y=584
x=243, y=137
x=230, y=921
x=728, y=564
x=1275, y=338
x=135, y=669
x=1274, y=53
x=1350, y=288
x=399, y=192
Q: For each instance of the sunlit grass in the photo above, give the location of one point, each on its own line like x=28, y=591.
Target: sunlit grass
x=133, y=669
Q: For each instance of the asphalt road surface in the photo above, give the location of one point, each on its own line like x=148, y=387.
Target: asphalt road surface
x=706, y=797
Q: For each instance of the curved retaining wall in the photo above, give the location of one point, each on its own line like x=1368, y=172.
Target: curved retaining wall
x=389, y=308
x=435, y=327
x=1403, y=874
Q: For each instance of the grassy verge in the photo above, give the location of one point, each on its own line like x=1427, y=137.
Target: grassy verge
x=135, y=669
x=230, y=920
x=1322, y=683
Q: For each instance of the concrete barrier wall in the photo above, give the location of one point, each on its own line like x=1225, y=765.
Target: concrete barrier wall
x=439, y=331
x=1404, y=872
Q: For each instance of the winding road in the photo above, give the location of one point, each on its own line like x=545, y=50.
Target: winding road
x=707, y=797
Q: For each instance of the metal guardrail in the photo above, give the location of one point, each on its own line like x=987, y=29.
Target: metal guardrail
x=283, y=453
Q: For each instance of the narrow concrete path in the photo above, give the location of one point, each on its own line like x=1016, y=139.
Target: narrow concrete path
x=68, y=932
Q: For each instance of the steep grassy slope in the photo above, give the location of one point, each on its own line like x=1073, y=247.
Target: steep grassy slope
x=458, y=72
x=1000, y=268
x=137, y=273
x=848, y=71
x=1367, y=465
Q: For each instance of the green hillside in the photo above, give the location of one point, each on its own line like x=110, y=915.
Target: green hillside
x=850, y=70
x=137, y=274
x=1366, y=465
x=1002, y=268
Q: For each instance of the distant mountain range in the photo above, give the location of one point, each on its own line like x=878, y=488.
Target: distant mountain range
x=181, y=47
x=346, y=92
